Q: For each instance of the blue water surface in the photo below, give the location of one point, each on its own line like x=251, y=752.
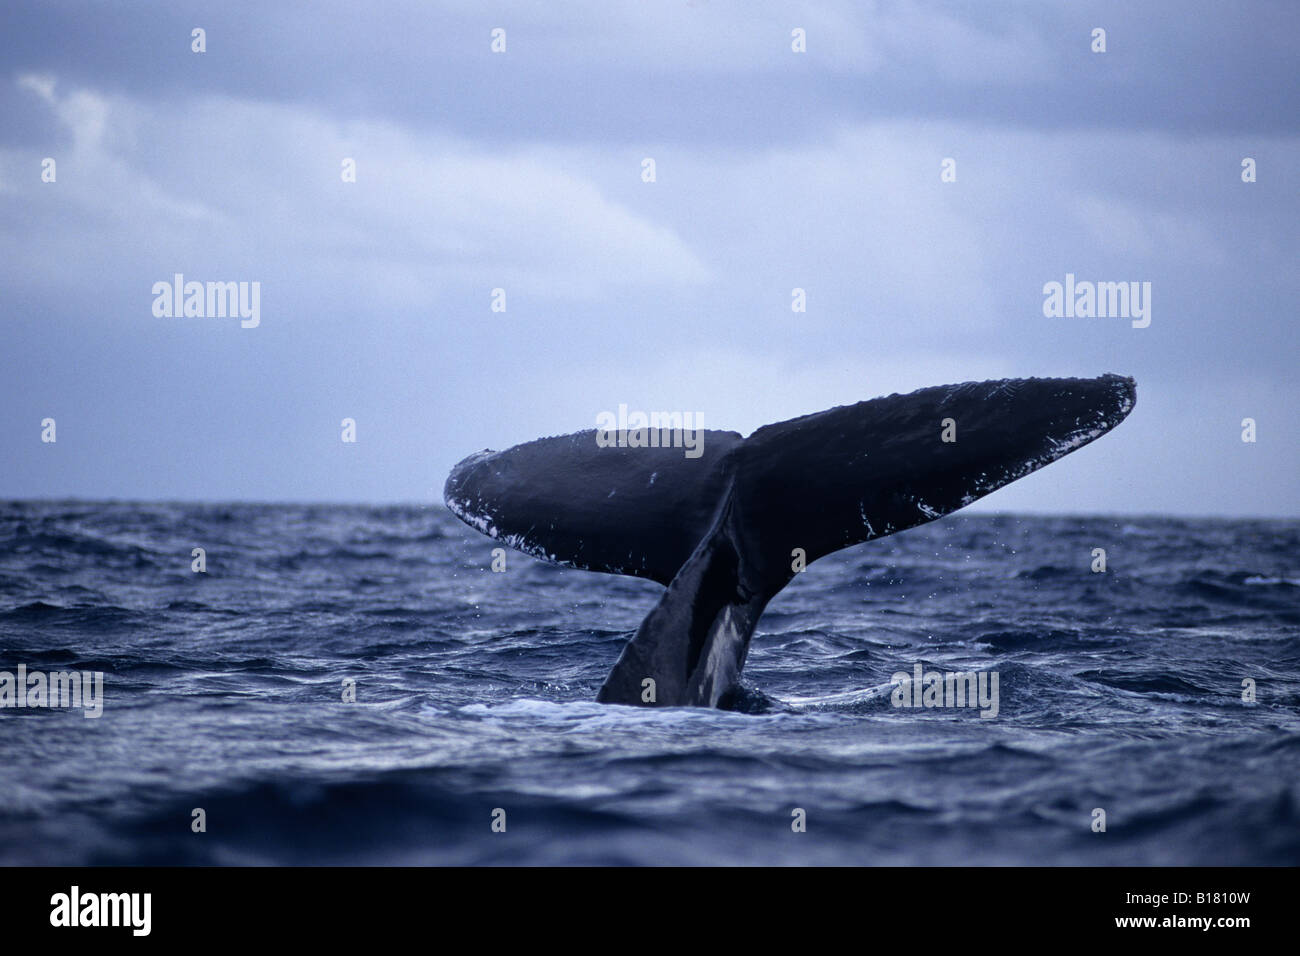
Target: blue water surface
x=1120, y=691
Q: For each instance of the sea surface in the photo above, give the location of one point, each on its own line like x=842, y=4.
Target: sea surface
x=1119, y=691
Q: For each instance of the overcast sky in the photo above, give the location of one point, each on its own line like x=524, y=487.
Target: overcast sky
x=522, y=170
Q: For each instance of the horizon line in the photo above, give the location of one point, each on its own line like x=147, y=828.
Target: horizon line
x=438, y=503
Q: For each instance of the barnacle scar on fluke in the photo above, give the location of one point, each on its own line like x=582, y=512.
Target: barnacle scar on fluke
x=719, y=530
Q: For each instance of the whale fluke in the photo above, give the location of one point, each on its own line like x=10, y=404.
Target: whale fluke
x=637, y=511
x=722, y=530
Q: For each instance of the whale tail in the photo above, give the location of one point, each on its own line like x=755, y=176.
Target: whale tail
x=691, y=647
x=726, y=531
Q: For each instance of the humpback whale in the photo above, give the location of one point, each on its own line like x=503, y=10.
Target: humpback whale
x=723, y=532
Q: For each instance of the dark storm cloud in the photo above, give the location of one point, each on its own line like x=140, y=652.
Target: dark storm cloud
x=694, y=72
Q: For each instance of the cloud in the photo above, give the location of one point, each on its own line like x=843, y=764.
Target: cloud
x=102, y=178
x=82, y=112
x=1137, y=229
x=430, y=207
x=775, y=170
